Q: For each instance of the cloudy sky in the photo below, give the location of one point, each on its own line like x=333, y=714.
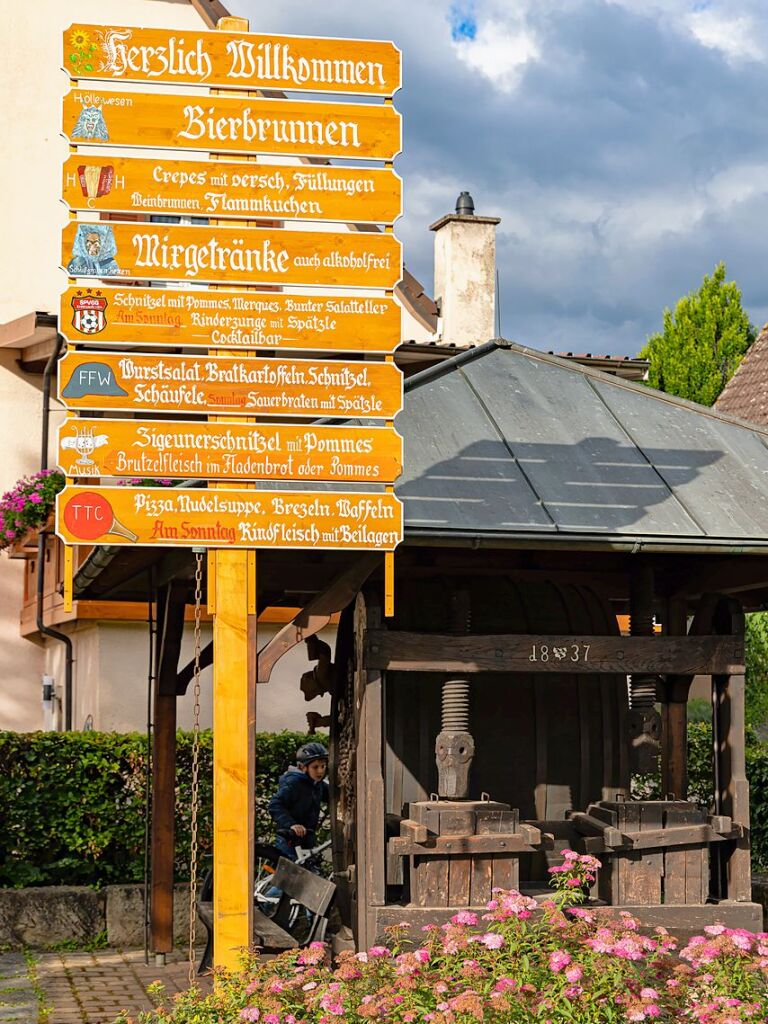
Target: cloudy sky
x=624, y=144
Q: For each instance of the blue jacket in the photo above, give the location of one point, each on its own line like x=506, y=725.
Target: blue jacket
x=297, y=802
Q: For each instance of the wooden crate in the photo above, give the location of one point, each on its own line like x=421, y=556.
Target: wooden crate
x=676, y=871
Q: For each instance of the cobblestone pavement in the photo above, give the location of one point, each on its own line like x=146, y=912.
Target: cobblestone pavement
x=83, y=988
x=18, y=998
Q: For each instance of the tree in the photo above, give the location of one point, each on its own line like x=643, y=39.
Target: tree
x=702, y=342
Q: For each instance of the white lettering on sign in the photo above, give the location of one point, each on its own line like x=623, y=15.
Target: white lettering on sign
x=201, y=124
x=276, y=62
x=152, y=251
x=154, y=61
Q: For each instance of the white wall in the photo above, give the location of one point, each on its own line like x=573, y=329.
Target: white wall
x=110, y=680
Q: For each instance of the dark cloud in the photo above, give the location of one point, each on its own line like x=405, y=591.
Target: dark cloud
x=626, y=158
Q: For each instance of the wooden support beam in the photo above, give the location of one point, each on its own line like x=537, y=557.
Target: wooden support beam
x=674, y=715
x=317, y=614
x=234, y=721
x=432, y=652
x=171, y=601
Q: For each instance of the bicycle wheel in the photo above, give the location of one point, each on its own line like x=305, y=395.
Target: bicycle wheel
x=264, y=864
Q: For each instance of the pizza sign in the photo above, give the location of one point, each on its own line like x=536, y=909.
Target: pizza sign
x=89, y=315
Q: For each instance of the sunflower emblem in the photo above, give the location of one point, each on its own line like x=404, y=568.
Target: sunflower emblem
x=81, y=56
x=79, y=39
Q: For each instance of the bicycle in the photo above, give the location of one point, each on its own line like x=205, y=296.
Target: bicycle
x=266, y=858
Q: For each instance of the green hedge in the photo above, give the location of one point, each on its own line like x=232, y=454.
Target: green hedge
x=72, y=804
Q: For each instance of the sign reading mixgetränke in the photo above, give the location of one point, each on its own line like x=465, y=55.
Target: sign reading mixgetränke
x=230, y=319
x=237, y=60
x=231, y=254
x=360, y=131
x=181, y=517
x=232, y=190
x=229, y=384
x=228, y=451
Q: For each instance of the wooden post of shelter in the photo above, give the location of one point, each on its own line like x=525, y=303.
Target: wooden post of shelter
x=234, y=722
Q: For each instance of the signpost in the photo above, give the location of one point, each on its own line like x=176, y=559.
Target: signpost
x=244, y=373
x=229, y=451
x=360, y=131
x=231, y=60
x=229, y=319
x=232, y=254
x=229, y=384
x=188, y=517
x=217, y=189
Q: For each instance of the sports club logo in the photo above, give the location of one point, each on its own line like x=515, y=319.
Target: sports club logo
x=89, y=315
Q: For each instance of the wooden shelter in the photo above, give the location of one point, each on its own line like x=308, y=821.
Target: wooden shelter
x=500, y=715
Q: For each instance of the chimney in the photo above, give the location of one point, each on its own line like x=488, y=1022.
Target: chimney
x=465, y=274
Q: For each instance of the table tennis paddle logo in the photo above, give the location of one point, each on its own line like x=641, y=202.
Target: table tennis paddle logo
x=89, y=516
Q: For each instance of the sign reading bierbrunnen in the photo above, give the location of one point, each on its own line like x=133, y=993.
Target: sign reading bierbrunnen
x=203, y=189
x=185, y=517
x=230, y=319
x=237, y=60
x=360, y=131
x=228, y=451
x=127, y=382
x=274, y=440
x=231, y=254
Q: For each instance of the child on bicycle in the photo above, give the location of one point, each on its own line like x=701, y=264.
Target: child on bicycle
x=295, y=807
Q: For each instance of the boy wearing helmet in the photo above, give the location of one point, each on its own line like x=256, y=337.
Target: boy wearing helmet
x=295, y=807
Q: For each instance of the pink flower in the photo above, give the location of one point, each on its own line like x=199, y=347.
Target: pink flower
x=574, y=973
x=559, y=960
x=464, y=917
x=250, y=1013
x=422, y=955
x=492, y=940
x=649, y=993
x=504, y=983
x=35, y=499
x=375, y=951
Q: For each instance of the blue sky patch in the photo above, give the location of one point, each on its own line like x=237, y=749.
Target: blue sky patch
x=463, y=22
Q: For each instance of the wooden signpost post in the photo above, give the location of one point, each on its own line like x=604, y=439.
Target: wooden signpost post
x=262, y=399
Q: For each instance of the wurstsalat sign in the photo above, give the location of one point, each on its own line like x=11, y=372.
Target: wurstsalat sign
x=224, y=60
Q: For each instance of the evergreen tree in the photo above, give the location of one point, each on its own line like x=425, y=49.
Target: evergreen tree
x=702, y=342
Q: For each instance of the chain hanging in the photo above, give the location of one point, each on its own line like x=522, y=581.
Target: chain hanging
x=195, y=769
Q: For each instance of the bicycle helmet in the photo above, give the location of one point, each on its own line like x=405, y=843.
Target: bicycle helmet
x=311, y=752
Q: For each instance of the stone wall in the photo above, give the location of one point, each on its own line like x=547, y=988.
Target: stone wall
x=40, y=918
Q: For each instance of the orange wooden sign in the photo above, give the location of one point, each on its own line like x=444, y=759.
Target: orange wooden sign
x=263, y=387
x=229, y=319
x=228, y=451
x=231, y=190
x=232, y=254
x=237, y=60
x=189, y=517
x=221, y=124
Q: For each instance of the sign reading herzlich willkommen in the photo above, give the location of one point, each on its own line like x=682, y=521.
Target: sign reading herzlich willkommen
x=236, y=60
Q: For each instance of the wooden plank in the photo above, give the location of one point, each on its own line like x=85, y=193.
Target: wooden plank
x=506, y=871
x=485, y=844
x=230, y=58
x=234, y=715
x=421, y=652
x=459, y=881
x=270, y=936
x=171, y=603
x=154, y=120
x=481, y=881
x=734, y=800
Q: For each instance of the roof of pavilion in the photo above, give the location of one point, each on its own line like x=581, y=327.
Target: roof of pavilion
x=504, y=442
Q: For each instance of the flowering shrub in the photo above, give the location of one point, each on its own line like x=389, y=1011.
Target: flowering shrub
x=28, y=504
x=505, y=965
